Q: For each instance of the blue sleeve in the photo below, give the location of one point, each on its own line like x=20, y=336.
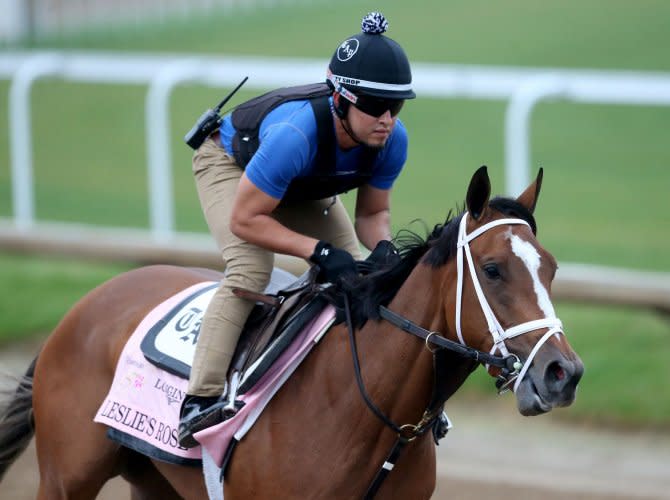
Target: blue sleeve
x=391, y=160
x=286, y=150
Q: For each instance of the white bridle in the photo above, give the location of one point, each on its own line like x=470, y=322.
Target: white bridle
x=498, y=333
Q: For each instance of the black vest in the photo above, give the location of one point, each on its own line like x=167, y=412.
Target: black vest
x=324, y=181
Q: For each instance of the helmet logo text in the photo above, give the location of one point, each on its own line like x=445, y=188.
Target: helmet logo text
x=343, y=80
x=347, y=49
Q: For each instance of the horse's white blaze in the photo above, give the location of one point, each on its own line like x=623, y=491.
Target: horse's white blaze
x=531, y=258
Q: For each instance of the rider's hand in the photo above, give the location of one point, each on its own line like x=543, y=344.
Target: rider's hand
x=384, y=254
x=333, y=262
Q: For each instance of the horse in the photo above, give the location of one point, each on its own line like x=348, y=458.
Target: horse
x=476, y=291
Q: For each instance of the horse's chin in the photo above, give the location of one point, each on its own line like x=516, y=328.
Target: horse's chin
x=529, y=401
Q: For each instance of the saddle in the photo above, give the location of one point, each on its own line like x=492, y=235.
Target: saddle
x=282, y=312
x=273, y=323
x=277, y=318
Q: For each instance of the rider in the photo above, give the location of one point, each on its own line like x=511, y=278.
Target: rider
x=277, y=195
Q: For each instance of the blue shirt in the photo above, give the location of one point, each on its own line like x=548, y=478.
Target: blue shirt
x=288, y=145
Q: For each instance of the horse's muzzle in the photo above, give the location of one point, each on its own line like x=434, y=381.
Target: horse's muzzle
x=549, y=384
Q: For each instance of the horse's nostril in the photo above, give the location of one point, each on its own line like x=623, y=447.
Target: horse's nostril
x=555, y=372
x=560, y=373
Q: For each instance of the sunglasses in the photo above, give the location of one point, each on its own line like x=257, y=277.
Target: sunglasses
x=377, y=106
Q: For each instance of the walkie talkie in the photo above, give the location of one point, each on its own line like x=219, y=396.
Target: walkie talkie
x=209, y=121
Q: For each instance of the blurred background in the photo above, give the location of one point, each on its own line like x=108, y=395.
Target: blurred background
x=605, y=158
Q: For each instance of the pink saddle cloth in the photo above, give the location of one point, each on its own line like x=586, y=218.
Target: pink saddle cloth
x=142, y=406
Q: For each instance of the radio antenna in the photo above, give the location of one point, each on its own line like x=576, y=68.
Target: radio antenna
x=227, y=98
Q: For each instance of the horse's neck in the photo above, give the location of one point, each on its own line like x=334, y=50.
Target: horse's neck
x=407, y=371
x=397, y=373
x=398, y=363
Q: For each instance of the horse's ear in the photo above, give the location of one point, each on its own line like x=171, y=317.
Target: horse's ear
x=529, y=197
x=478, y=193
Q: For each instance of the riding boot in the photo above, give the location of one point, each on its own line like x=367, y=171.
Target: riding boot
x=199, y=413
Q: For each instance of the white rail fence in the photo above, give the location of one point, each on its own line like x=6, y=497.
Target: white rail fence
x=522, y=88
x=34, y=19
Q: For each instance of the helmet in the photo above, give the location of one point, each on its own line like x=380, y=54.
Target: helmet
x=370, y=63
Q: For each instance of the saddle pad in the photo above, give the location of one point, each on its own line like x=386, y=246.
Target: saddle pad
x=170, y=343
x=142, y=406
x=144, y=401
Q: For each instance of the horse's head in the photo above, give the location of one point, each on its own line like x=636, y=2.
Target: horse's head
x=502, y=299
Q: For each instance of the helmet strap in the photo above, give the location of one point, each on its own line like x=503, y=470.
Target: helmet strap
x=341, y=110
x=350, y=133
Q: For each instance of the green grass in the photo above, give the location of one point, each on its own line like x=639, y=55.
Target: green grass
x=36, y=293
x=588, y=34
x=606, y=167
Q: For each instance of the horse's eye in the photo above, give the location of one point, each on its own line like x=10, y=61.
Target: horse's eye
x=492, y=272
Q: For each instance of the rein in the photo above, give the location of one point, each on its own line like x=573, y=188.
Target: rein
x=512, y=369
x=405, y=433
x=431, y=337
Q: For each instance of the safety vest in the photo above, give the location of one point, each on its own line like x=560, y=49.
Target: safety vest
x=324, y=181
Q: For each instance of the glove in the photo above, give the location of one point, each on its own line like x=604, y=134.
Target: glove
x=385, y=254
x=333, y=262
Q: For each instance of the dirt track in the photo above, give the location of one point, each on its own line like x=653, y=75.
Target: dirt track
x=491, y=453
x=20, y=484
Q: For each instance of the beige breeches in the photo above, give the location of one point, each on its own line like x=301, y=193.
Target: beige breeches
x=217, y=176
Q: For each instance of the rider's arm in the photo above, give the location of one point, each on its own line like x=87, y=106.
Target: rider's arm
x=251, y=221
x=373, y=215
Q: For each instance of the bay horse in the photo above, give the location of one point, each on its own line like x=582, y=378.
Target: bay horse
x=479, y=290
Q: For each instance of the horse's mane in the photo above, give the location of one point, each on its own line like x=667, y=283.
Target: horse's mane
x=436, y=249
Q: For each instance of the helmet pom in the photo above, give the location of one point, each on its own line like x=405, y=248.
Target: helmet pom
x=374, y=23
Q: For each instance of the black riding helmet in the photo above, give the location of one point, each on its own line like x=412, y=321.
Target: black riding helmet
x=370, y=63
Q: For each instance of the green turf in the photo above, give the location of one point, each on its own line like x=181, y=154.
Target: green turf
x=35, y=294
x=573, y=33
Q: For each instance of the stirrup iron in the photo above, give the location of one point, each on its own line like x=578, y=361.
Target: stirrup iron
x=232, y=394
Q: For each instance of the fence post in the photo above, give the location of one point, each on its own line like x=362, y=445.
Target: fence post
x=517, y=128
x=20, y=143
x=159, y=153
